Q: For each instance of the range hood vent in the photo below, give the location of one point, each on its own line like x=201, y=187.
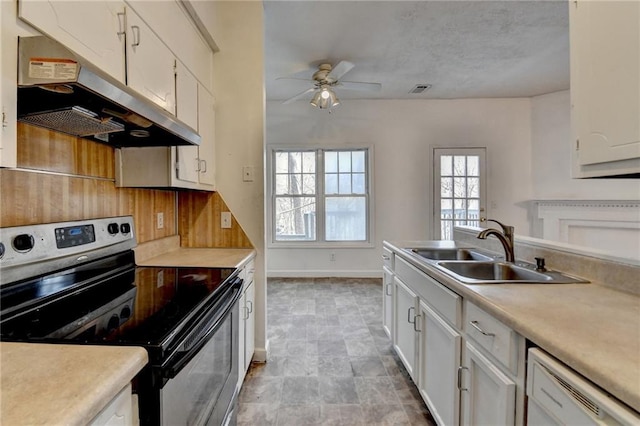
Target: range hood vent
x=60, y=91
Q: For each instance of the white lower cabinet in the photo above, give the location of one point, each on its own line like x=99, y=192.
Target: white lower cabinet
x=404, y=331
x=247, y=325
x=439, y=350
x=488, y=394
x=118, y=412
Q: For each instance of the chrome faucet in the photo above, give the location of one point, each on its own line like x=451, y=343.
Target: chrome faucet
x=505, y=237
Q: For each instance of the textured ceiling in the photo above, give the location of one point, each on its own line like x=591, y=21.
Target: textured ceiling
x=464, y=49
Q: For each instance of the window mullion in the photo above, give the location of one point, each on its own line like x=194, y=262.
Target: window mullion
x=320, y=196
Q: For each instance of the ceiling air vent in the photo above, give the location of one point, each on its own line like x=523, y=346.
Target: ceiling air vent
x=419, y=88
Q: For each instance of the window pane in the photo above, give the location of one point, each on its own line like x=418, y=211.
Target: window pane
x=344, y=161
x=445, y=165
x=460, y=211
x=473, y=187
x=358, y=159
x=331, y=162
x=346, y=219
x=344, y=183
x=309, y=162
x=294, y=184
x=295, y=219
x=295, y=162
x=331, y=183
x=446, y=187
x=309, y=182
x=472, y=165
x=459, y=165
x=282, y=162
x=359, y=186
x=282, y=184
x=473, y=209
x=446, y=230
x=460, y=187
x=446, y=208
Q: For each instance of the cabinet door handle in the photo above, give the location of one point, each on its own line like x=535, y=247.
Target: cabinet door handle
x=409, y=316
x=385, y=257
x=136, y=35
x=251, y=308
x=386, y=290
x=475, y=325
x=415, y=323
x=203, y=170
x=246, y=311
x=460, y=388
x=121, y=24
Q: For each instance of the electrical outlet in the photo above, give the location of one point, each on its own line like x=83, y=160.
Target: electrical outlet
x=248, y=173
x=332, y=257
x=160, y=279
x=225, y=220
x=160, y=220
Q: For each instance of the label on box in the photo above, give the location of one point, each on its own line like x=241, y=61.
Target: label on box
x=53, y=69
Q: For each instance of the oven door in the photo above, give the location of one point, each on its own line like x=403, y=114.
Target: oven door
x=202, y=380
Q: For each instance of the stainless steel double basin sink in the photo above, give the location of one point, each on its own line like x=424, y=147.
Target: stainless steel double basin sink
x=473, y=267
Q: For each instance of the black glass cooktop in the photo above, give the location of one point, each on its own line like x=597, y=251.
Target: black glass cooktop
x=130, y=305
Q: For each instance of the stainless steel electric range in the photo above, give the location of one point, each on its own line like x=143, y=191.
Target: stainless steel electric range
x=77, y=282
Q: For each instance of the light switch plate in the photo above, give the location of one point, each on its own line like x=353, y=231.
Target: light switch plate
x=248, y=173
x=225, y=220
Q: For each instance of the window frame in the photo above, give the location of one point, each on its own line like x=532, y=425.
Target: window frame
x=320, y=241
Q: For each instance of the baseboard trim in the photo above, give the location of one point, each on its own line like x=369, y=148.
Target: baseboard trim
x=324, y=274
x=261, y=354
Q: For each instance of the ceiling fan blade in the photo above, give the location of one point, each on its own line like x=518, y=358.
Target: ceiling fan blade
x=296, y=78
x=339, y=70
x=359, y=85
x=298, y=96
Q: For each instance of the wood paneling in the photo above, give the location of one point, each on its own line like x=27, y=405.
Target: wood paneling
x=199, y=222
x=28, y=198
x=43, y=149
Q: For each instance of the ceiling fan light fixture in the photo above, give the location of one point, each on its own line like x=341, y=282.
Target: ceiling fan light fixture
x=325, y=98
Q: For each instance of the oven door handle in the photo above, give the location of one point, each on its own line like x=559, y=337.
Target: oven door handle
x=180, y=356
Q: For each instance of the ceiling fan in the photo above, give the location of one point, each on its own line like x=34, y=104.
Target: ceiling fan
x=324, y=80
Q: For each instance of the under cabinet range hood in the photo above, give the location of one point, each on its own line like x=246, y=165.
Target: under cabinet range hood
x=61, y=91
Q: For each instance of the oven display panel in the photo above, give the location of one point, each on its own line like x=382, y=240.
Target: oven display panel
x=74, y=236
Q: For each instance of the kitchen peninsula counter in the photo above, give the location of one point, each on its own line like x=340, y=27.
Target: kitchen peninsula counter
x=592, y=328
x=41, y=384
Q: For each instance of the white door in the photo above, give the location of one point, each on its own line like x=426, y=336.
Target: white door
x=459, y=189
x=440, y=346
x=489, y=396
x=206, y=128
x=387, y=301
x=404, y=332
x=92, y=29
x=150, y=64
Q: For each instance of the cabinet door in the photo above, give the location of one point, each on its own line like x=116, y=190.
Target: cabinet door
x=187, y=111
x=489, y=395
x=92, y=29
x=439, y=350
x=387, y=301
x=605, y=80
x=206, y=128
x=150, y=64
x=241, y=341
x=404, y=333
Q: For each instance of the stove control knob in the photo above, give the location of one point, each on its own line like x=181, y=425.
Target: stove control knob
x=1, y=250
x=125, y=228
x=112, y=228
x=23, y=243
x=125, y=313
x=114, y=322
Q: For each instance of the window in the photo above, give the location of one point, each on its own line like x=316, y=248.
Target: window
x=459, y=195
x=320, y=195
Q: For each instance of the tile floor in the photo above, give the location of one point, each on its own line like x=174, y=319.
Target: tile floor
x=330, y=361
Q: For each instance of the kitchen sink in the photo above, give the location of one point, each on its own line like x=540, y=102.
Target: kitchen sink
x=448, y=254
x=501, y=272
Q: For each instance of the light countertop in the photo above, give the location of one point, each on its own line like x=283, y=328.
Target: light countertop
x=43, y=384
x=592, y=328
x=201, y=258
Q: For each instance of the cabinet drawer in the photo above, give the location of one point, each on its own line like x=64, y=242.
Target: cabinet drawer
x=440, y=298
x=492, y=335
x=249, y=270
x=388, y=258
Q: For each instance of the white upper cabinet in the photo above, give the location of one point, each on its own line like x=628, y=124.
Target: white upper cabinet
x=150, y=64
x=605, y=87
x=206, y=128
x=94, y=30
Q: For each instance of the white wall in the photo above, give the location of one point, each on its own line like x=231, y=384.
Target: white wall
x=403, y=134
x=551, y=157
x=238, y=82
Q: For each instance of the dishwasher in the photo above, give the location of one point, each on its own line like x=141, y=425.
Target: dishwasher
x=559, y=396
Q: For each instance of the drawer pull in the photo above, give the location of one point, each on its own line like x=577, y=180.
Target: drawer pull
x=475, y=325
x=415, y=323
x=386, y=291
x=385, y=257
x=409, y=316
